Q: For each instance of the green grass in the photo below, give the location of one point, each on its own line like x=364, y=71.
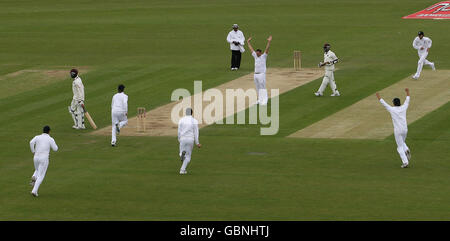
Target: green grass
x=154, y=47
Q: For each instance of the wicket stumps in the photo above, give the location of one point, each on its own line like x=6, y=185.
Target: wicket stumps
x=140, y=126
x=297, y=60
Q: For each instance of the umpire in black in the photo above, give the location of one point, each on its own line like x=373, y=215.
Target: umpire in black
x=236, y=39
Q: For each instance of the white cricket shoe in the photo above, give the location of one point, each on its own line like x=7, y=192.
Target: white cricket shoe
x=336, y=93
x=318, y=94
x=404, y=165
x=75, y=127
x=113, y=144
x=183, y=172
x=415, y=77
x=433, y=67
x=34, y=194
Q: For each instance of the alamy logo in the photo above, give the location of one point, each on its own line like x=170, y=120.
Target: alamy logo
x=213, y=106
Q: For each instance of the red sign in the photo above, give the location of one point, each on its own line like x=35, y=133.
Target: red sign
x=437, y=11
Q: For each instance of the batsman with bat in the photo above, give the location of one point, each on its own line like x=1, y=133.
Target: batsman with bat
x=76, y=107
x=329, y=60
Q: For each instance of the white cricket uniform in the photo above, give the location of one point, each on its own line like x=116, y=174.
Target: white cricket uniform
x=328, y=78
x=424, y=43
x=236, y=36
x=40, y=145
x=187, y=136
x=260, y=77
x=119, y=110
x=398, y=115
x=75, y=108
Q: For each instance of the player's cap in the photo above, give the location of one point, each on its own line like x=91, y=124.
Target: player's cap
x=420, y=33
x=235, y=25
x=46, y=129
x=121, y=88
x=326, y=45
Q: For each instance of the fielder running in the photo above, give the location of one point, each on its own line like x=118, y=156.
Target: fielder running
x=40, y=146
x=187, y=135
x=76, y=107
x=398, y=115
x=119, y=112
x=329, y=60
x=423, y=45
x=260, y=71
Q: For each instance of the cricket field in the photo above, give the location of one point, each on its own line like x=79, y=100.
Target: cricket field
x=154, y=47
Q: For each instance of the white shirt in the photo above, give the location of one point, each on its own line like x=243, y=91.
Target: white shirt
x=398, y=115
x=236, y=36
x=78, y=89
x=424, y=43
x=119, y=103
x=329, y=57
x=40, y=145
x=260, y=62
x=188, y=128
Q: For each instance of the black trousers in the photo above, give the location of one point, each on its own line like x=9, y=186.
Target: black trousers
x=235, y=58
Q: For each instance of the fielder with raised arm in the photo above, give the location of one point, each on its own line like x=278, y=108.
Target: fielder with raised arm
x=329, y=60
x=398, y=115
x=187, y=136
x=423, y=45
x=40, y=146
x=119, y=113
x=76, y=107
x=260, y=70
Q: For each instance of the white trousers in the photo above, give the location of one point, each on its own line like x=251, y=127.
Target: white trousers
x=260, y=84
x=77, y=112
x=117, y=118
x=400, y=138
x=40, y=168
x=421, y=62
x=186, y=145
x=328, y=78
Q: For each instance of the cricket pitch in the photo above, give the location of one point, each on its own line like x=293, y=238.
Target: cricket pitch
x=367, y=118
x=159, y=123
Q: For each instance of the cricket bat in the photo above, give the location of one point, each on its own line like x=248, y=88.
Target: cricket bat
x=91, y=121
